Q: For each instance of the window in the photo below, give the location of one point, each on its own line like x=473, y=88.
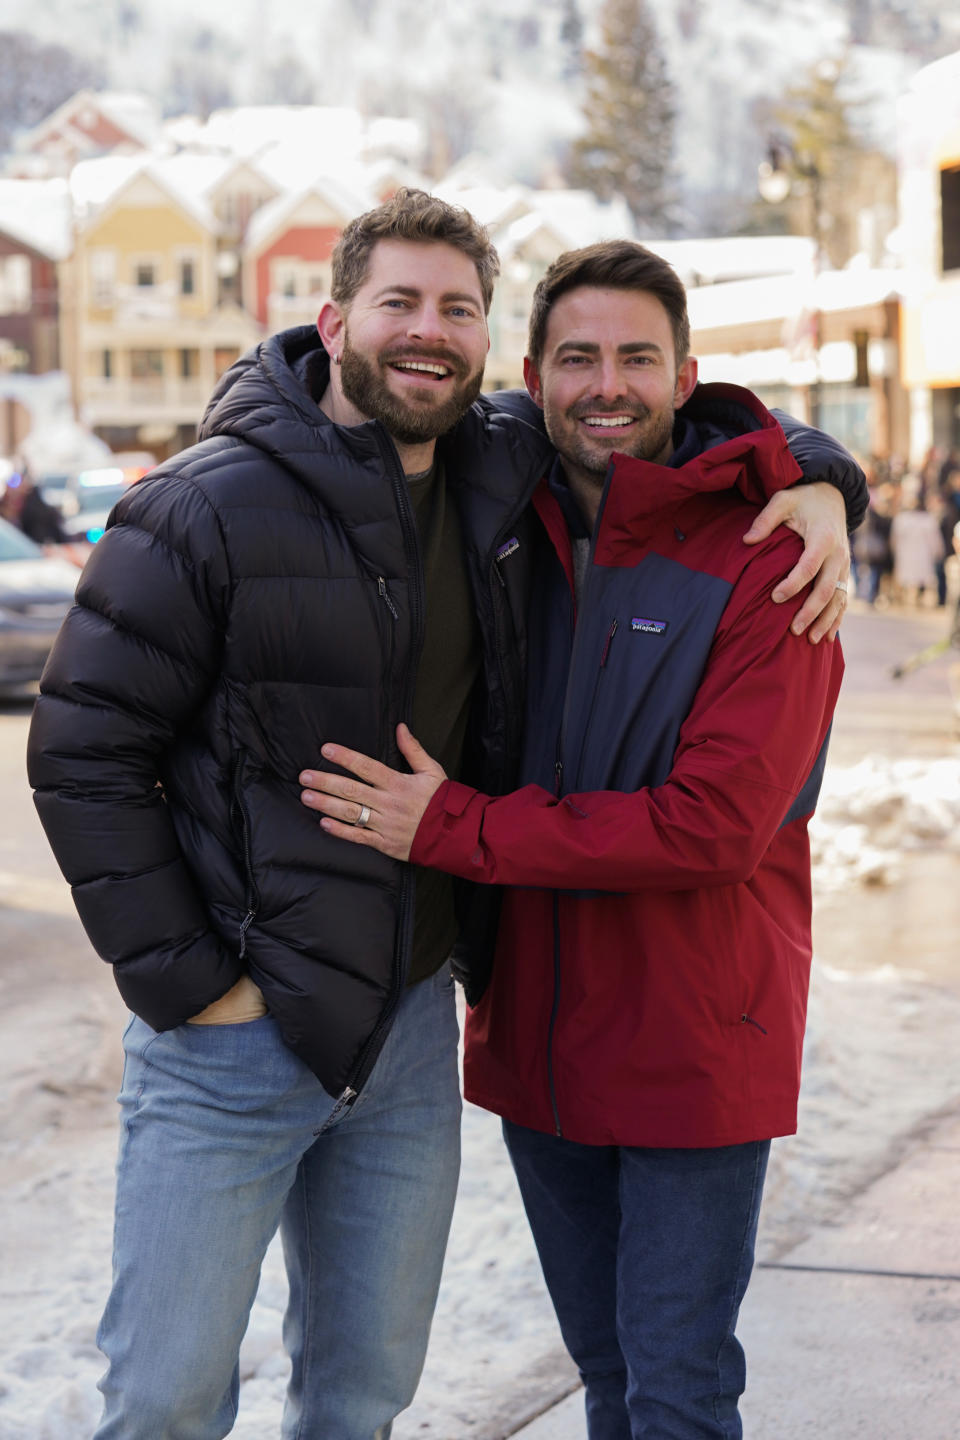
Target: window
x=223, y=358
x=103, y=273
x=187, y=278
x=950, y=217
x=14, y=285
x=107, y=364
x=146, y=364
x=189, y=364
x=145, y=275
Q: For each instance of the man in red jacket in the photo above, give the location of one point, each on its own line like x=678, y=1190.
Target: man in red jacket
x=642, y=1027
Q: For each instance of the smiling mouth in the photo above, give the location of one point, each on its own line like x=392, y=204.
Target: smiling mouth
x=608, y=422
x=429, y=369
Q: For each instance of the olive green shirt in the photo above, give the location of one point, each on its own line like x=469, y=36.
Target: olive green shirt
x=448, y=669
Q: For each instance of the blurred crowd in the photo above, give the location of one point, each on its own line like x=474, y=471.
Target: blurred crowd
x=903, y=552
x=23, y=505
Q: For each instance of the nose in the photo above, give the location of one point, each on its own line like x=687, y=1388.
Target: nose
x=608, y=380
x=427, y=323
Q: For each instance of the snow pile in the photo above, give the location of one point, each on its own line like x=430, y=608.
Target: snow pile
x=871, y=812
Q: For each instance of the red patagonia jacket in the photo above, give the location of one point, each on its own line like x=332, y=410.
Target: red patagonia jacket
x=652, y=966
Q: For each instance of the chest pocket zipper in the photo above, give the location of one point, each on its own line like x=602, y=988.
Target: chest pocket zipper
x=594, y=700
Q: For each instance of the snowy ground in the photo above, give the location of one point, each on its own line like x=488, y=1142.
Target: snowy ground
x=881, y=1057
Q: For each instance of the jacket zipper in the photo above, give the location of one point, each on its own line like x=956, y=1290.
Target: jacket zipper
x=401, y=949
x=386, y=597
x=252, y=896
x=551, y=1078
x=594, y=698
x=558, y=782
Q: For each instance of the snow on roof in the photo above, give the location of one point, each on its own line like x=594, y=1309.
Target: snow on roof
x=492, y=205
x=195, y=174
x=390, y=135
x=135, y=114
x=270, y=217
x=251, y=130
x=739, y=302
x=95, y=183
x=574, y=217
x=37, y=214
x=737, y=257
x=940, y=79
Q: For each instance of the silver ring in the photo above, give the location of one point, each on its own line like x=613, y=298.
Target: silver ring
x=841, y=585
x=363, y=819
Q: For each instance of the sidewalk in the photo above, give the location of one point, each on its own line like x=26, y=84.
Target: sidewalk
x=856, y=1331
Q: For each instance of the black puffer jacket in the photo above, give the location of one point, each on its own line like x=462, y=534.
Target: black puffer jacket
x=256, y=595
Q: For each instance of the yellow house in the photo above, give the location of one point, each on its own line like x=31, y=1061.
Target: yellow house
x=145, y=332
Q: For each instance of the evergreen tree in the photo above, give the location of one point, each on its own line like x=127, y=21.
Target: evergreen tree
x=35, y=78
x=629, y=110
x=834, y=174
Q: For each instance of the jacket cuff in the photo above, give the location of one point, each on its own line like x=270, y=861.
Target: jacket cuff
x=447, y=837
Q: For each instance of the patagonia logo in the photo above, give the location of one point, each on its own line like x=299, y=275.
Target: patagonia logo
x=507, y=548
x=648, y=627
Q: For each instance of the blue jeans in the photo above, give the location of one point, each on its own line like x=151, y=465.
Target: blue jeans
x=218, y=1148
x=646, y=1254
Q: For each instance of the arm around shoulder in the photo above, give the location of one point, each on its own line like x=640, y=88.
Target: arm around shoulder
x=821, y=457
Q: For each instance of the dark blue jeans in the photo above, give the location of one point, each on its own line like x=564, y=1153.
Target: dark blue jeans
x=646, y=1254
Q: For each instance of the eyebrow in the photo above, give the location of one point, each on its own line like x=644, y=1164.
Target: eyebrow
x=631, y=347
x=449, y=296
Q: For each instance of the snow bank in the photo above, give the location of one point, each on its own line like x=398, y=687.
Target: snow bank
x=870, y=813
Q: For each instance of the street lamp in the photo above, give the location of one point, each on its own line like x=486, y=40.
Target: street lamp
x=775, y=179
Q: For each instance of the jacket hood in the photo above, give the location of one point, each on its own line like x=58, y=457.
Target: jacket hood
x=726, y=439
x=266, y=399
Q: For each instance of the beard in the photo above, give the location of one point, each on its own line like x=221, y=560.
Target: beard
x=411, y=422
x=589, y=456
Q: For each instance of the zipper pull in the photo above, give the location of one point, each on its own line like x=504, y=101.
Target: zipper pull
x=510, y=547
x=558, y=777
x=606, y=649
x=386, y=597
x=347, y=1098
x=244, y=927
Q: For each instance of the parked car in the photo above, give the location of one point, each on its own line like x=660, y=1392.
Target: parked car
x=36, y=591
x=88, y=498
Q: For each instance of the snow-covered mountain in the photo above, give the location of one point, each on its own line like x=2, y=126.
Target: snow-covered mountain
x=501, y=77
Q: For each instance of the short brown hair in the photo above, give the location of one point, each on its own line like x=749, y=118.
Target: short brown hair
x=411, y=215
x=611, y=265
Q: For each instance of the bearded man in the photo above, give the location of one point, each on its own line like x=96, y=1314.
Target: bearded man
x=317, y=566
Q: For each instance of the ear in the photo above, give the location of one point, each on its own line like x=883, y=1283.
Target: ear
x=531, y=378
x=686, y=382
x=330, y=328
